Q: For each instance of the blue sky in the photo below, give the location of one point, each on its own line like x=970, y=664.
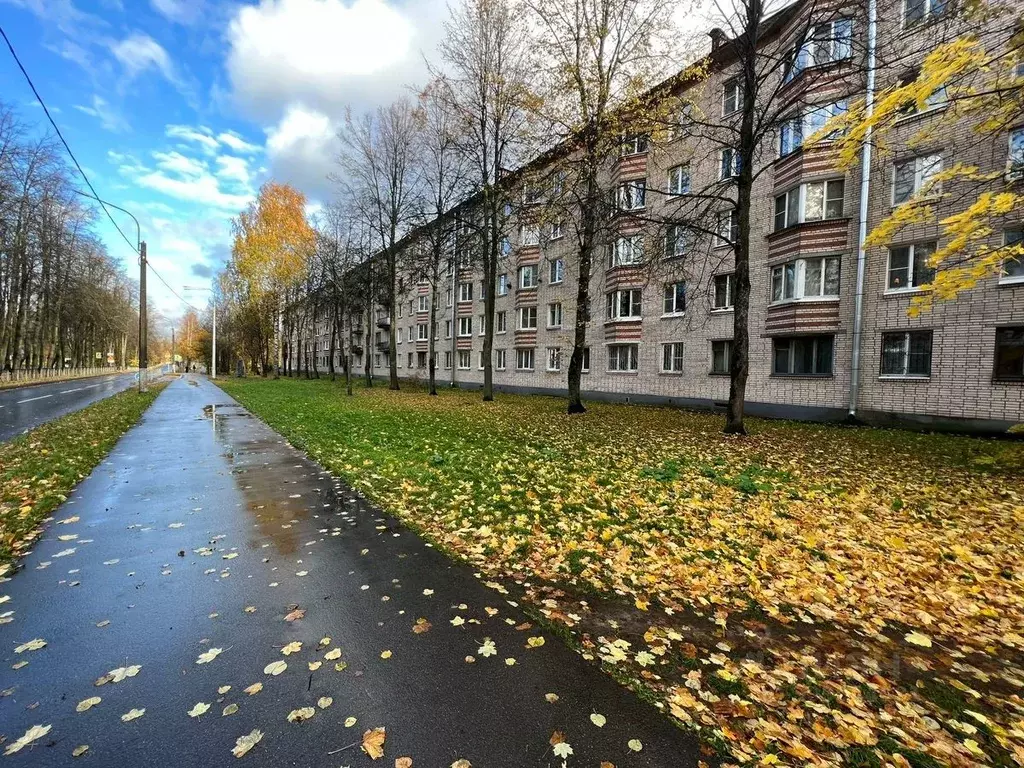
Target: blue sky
x=180, y=109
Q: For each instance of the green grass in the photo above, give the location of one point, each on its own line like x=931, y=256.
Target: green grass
x=40, y=468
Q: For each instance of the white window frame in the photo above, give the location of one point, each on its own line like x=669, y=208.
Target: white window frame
x=814, y=338
x=531, y=270
x=521, y=354
x=800, y=128
x=447, y=360
x=533, y=194
x=799, y=271
x=449, y=296
x=585, y=364
x=732, y=93
x=631, y=195
x=632, y=355
x=614, y=301
x=499, y=322
x=675, y=348
x=729, y=217
x=465, y=327
x=730, y=292
x=502, y=285
x=466, y=291
x=927, y=13
x=674, y=311
x=925, y=167
x=557, y=229
x=808, y=54
x=524, y=317
x=678, y=239
x=1015, y=155
x=499, y=359
x=678, y=180
x=634, y=144
x=482, y=331
x=556, y=271
x=422, y=332
x=398, y=335
x=424, y=305
x=627, y=251
x=905, y=353
x=553, y=360
x=447, y=329
x=1011, y=237
x=529, y=235
x=555, y=314
x=728, y=159
x=913, y=285
x=465, y=360
x=480, y=361
x=827, y=187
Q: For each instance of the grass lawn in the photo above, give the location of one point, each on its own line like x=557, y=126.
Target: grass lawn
x=807, y=595
x=39, y=469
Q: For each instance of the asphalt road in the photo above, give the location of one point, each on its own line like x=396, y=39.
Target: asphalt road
x=204, y=535
x=24, y=408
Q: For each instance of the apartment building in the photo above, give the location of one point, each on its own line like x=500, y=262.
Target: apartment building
x=662, y=320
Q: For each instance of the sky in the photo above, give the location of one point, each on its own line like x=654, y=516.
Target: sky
x=180, y=109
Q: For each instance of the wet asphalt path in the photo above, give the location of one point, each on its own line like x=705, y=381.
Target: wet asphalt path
x=24, y=408
x=203, y=530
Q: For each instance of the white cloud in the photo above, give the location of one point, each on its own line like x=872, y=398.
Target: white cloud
x=202, y=136
x=185, y=12
x=302, y=149
x=139, y=52
x=233, y=169
x=109, y=118
x=237, y=143
x=186, y=179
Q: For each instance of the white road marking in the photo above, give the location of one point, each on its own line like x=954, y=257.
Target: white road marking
x=68, y=391
x=92, y=387
x=33, y=399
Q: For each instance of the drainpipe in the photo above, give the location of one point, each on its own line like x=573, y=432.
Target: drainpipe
x=862, y=229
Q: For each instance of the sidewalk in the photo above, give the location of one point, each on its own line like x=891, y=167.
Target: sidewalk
x=204, y=530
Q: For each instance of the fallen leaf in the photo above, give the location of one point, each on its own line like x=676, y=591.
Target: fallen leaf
x=488, y=648
x=349, y=722
x=230, y=709
x=133, y=714
x=314, y=665
x=385, y=654
x=298, y=715
x=32, y=734
x=31, y=645
x=223, y=689
x=916, y=638
x=324, y=702
x=635, y=745
x=421, y=626
x=103, y=623
x=373, y=743
x=199, y=709
x=461, y=764
x=534, y=642
x=510, y=662
x=275, y=668
x=207, y=656
x=119, y=674
x=87, y=704
x=247, y=742
x=80, y=750
x=295, y=615
x=551, y=697
x=253, y=689
x=403, y=762
x=598, y=720
x=334, y=653
x=292, y=647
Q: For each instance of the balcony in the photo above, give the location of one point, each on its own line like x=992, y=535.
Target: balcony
x=383, y=321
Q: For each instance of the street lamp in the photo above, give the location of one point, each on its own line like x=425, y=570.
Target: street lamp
x=213, y=361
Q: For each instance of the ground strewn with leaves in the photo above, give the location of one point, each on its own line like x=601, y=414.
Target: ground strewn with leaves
x=39, y=469
x=807, y=595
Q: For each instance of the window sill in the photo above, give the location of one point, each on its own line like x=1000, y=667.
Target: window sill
x=895, y=292
x=632, y=154
x=902, y=377
x=801, y=376
x=1010, y=382
x=500, y=333
x=722, y=310
x=623, y=320
x=552, y=370
x=623, y=373
x=723, y=374
x=673, y=315
x=804, y=300
x=554, y=327
x=922, y=114
x=923, y=199
x=524, y=370
x=670, y=373
x=554, y=282
x=1011, y=281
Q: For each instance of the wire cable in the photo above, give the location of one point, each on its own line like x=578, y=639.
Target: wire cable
x=167, y=285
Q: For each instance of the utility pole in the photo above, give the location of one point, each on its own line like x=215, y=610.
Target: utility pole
x=143, y=324
x=213, y=304
x=174, y=365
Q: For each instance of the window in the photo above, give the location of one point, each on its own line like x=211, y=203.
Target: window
x=422, y=332
x=814, y=201
x=465, y=291
x=675, y=298
x=465, y=360
x=447, y=329
x=1015, y=159
x=529, y=234
x=803, y=356
x=499, y=359
x=448, y=360
x=502, y=285
x=424, y=304
x=631, y=195
x=527, y=318
x=679, y=180
x=499, y=322
x=729, y=164
x=624, y=304
x=585, y=368
x=907, y=353
x=532, y=195
x=793, y=132
x=672, y=357
x=728, y=227
x=410, y=361
x=1013, y=265
x=398, y=335
x=677, y=241
x=555, y=315
x=554, y=359
x=557, y=230
x=722, y=298
x=482, y=332
x=806, y=279
x=465, y=326
x=376, y=361
x=524, y=359
x=1009, y=354
x=908, y=267
x=912, y=176
x=448, y=297
x=623, y=357
x=635, y=144
x=628, y=250
x=826, y=43
x=480, y=360
x=732, y=96
x=421, y=359
x=917, y=10
x=556, y=270
x=558, y=184
x=528, y=277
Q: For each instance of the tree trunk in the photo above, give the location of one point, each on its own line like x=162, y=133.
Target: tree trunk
x=586, y=263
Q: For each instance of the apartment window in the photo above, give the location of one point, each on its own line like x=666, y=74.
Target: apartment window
x=558, y=184
x=555, y=315
x=911, y=176
x=421, y=359
x=624, y=305
x=554, y=359
x=793, y=132
x=1015, y=158
x=623, y=357
x=448, y=360
x=728, y=227
x=1009, y=354
x=627, y=250
x=447, y=329
x=635, y=144
x=422, y=332
x=806, y=279
x=409, y=365
x=480, y=360
x=499, y=359
x=908, y=266
x=506, y=247
x=557, y=229
x=679, y=180
x=529, y=234
x=398, y=335
x=465, y=291
x=482, y=330
x=524, y=359
x=527, y=318
x=532, y=195
x=448, y=297
x=918, y=10
x=828, y=42
x=729, y=163
x=556, y=270
x=424, y=304
x=465, y=360
x=465, y=326
x=722, y=298
x=677, y=241
x=732, y=96
x=499, y=322
x=803, y=356
x=376, y=361
x=502, y=285
x=528, y=276
x=1013, y=266
x=631, y=195
x=907, y=353
x=585, y=367
x=672, y=357
x=814, y=201
x=675, y=298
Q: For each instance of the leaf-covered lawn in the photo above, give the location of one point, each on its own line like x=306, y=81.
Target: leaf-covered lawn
x=39, y=469
x=807, y=595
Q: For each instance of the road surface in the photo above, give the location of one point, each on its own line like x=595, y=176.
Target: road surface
x=24, y=408
x=205, y=549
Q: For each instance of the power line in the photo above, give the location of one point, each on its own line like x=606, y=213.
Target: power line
x=60, y=135
x=167, y=285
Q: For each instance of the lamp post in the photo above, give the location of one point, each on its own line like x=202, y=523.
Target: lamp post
x=213, y=360
x=140, y=246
